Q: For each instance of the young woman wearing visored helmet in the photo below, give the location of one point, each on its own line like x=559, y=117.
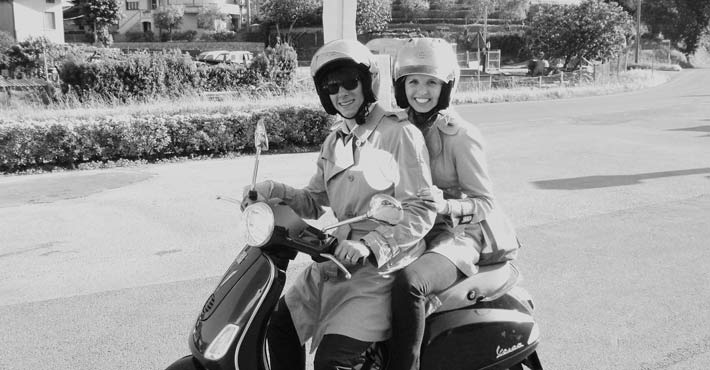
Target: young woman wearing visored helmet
x=425, y=76
x=369, y=151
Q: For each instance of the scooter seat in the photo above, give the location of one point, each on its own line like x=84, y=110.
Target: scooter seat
x=490, y=283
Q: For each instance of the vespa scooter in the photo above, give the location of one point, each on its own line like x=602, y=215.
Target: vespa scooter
x=483, y=322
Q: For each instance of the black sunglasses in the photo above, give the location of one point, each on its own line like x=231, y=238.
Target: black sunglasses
x=334, y=86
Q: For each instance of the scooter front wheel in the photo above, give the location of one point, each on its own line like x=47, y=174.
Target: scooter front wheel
x=185, y=363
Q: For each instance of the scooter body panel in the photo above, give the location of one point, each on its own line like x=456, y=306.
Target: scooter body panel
x=486, y=335
x=248, y=290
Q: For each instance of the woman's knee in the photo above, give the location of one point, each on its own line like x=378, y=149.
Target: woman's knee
x=409, y=280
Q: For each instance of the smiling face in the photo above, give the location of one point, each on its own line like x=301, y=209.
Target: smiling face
x=422, y=92
x=348, y=102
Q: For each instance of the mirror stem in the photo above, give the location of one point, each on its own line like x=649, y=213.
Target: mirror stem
x=252, y=193
x=345, y=222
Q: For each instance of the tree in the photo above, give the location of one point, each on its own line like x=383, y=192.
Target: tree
x=695, y=18
x=373, y=15
x=514, y=10
x=169, y=17
x=682, y=21
x=101, y=14
x=481, y=9
x=209, y=15
x=593, y=30
x=412, y=9
x=290, y=13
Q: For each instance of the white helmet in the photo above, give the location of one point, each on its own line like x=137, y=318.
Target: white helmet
x=427, y=56
x=345, y=53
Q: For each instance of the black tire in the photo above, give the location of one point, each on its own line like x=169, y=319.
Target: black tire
x=185, y=363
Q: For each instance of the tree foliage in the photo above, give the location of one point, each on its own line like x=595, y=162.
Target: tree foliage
x=290, y=13
x=208, y=15
x=682, y=21
x=169, y=17
x=373, y=15
x=413, y=9
x=101, y=14
x=593, y=30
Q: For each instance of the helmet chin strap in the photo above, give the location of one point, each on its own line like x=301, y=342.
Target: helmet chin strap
x=423, y=120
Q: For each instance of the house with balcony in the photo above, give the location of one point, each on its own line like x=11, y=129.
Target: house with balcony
x=32, y=18
x=138, y=14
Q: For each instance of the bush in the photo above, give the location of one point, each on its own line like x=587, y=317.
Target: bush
x=140, y=36
x=67, y=143
x=144, y=75
x=511, y=45
x=220, y=36
x=277, y=64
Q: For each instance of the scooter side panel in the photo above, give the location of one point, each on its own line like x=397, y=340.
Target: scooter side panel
x=235, y=300
x=476, y=338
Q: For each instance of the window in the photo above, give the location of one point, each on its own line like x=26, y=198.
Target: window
x=131, y=5
x=154, y=4
x=50, y=1
x=49, y=22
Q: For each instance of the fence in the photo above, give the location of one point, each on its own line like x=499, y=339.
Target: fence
x=587, y=74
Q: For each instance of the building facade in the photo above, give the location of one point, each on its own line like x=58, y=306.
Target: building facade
x=138, y=14
x=32, y=18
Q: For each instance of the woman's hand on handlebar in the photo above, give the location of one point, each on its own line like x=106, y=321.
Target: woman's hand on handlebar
x=352, y=252
x=261, y=192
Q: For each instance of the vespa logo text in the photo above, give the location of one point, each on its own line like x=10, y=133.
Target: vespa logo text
x=504, y=351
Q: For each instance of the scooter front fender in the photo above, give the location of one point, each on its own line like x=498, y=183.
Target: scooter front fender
x=186, y=363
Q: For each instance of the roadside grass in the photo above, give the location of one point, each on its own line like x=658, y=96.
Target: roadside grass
x=301, y=94
x=627, y=81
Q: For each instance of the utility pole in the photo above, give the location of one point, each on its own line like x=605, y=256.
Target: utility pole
x=638, y=30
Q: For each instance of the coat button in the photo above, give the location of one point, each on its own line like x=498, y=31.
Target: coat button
x=351, y=178
x=325, y=278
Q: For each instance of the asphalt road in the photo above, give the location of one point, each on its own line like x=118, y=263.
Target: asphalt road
x=611, y=195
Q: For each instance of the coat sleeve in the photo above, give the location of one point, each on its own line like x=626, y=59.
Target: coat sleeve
x=409, y=151
x=476, y=200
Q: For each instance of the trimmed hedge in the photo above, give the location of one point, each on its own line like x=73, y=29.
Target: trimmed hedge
x=150, y=137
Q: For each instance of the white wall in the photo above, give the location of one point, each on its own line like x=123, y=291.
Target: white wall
x=30, y=20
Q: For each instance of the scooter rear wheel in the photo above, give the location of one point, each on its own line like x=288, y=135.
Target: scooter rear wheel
x=185, y=363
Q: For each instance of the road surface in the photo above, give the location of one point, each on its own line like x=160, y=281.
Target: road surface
x=107, y=269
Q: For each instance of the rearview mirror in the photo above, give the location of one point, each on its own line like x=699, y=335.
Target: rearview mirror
x=385, y=209
x=261, y=141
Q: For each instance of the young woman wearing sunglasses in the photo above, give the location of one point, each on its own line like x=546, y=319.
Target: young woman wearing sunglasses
x=425, y=76
x=369, y=151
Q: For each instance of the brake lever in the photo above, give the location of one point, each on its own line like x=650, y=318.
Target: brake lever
x=337, y=263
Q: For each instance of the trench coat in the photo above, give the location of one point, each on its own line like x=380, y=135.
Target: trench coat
x=386, y=154
x=459, y=169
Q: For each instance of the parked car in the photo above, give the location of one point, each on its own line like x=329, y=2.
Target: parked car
x=207, y=56
x=233, y=57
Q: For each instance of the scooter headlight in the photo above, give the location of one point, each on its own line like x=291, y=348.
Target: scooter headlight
x=258, y=225
x=221, y=343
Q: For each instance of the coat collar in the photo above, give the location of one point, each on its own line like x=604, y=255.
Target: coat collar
x=361, y=132
x=341, y=152
x=444, y=125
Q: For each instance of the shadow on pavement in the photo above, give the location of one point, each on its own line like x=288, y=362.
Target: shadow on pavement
x=705, y=128
x=52, y=189
x=593, y=182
